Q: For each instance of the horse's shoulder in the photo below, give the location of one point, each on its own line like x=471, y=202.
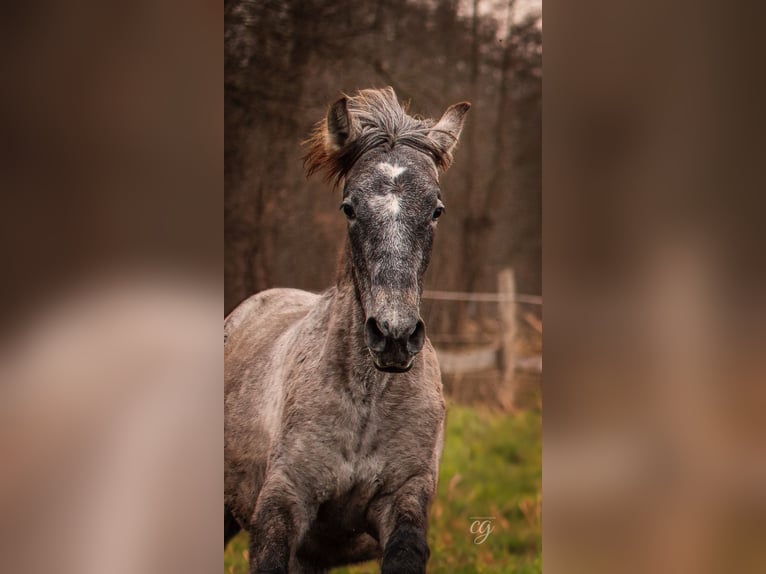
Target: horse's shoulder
x=269, y=306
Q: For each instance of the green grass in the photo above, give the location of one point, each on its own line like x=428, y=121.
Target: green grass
x=492, y=466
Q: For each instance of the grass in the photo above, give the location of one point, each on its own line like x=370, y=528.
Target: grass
x=492, y=466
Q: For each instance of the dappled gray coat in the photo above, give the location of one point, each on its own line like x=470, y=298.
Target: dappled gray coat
x=333, y=402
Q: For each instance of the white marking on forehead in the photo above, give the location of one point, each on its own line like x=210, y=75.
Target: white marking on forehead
x=391, y=170
x=388, y=203
x=391, y=203
x=393, y=234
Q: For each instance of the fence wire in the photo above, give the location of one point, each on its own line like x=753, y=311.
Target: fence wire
x=482, y=297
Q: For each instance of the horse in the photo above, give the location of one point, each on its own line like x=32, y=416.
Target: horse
x=334, y=411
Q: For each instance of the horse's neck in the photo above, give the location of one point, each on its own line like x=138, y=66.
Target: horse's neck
x=345, y=337
x=348, y=320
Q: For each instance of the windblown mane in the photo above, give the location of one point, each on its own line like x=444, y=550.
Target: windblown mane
x=377, y=120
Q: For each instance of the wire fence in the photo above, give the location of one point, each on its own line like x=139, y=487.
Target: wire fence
x=483, y=297
x=489, y=350
x=489, y=355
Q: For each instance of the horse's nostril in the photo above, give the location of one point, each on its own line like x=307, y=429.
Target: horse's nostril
x=381, y=336
x=374, y=337
x=417, y=338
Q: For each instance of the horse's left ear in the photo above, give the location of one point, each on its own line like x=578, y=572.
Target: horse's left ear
x=446, y=132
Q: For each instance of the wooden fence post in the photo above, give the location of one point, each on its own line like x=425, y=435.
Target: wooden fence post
x=506, y=287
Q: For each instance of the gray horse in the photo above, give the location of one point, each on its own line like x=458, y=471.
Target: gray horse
x=334, y=411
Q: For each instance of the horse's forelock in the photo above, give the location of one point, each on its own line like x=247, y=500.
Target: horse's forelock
x=378, y=119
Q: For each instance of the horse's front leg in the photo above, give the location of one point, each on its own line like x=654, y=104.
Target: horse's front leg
x=402, y=526
x=279, y=522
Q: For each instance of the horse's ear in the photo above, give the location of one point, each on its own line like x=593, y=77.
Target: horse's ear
x=446, y=132
x=338, y=125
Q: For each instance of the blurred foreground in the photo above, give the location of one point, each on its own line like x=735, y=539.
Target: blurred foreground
x=110, y=431
x=110, y=301
x=655, y=260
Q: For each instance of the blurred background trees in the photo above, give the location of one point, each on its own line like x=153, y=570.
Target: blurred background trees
x=285, y=61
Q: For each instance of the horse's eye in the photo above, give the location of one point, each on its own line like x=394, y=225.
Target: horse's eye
x=348, y=210
x=438, y=212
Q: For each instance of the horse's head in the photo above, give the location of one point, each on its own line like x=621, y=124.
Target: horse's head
x=388, y=164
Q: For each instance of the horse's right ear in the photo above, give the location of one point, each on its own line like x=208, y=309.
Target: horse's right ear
x=328, y=140
x=338, y=125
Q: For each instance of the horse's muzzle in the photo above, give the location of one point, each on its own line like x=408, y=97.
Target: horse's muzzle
x=394, y=347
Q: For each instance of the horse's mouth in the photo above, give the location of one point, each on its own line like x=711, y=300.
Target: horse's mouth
x=393, y=369
x=391, y=366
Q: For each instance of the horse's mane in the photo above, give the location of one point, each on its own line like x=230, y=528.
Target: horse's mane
x=377, y=119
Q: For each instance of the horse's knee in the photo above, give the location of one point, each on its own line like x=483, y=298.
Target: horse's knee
x=278, y=522
x=270, y=533
x=268, y=556
x=406, y=551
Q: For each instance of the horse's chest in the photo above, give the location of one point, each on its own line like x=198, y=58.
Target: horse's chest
x=356, y=448
x=360, y=459
x=358, y=480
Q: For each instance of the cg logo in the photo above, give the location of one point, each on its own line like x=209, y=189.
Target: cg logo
x=482, y=527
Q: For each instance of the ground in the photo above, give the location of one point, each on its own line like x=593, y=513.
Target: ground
x=492, y=466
